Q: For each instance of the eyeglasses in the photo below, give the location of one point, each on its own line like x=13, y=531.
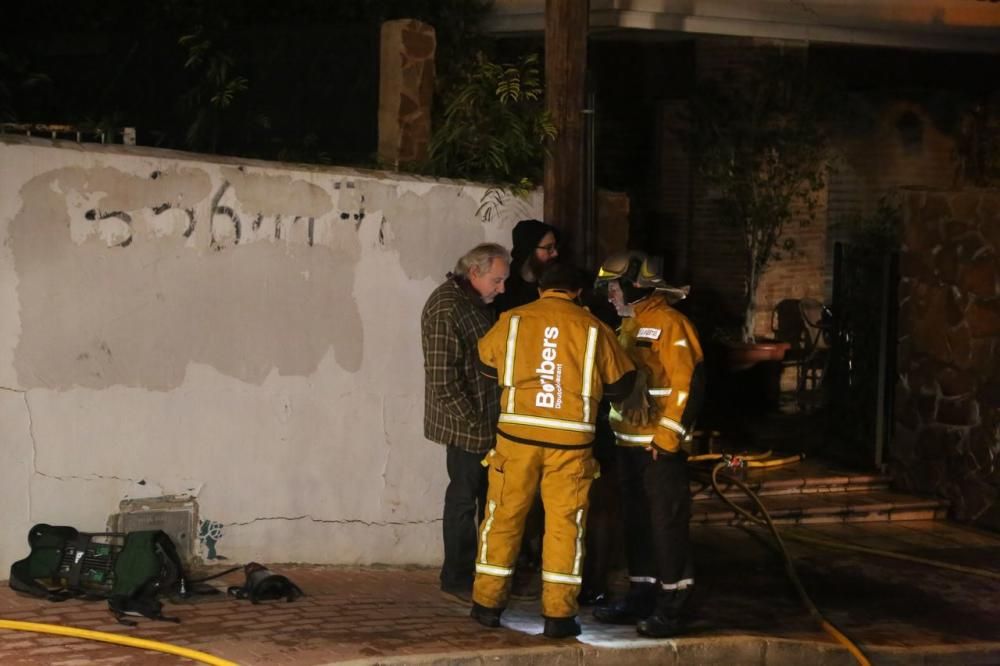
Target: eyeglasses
x=550, y=248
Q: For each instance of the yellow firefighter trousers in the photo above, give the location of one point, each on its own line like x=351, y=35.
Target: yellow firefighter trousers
x=517, y=472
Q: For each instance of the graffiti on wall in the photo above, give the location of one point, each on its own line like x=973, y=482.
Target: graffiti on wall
x=226, y=223
x=209, y=534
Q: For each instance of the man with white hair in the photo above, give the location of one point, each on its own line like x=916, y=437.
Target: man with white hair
x=460, y=405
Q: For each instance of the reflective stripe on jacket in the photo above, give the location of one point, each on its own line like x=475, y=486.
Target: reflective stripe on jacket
x=663, y=342
x=552, y=359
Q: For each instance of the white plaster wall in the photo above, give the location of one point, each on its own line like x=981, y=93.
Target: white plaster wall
x=150, y=347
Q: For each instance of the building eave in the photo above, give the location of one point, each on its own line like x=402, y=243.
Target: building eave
x=959, y=26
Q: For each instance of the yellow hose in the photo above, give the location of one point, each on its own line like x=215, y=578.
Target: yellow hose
x=789, y=566
x=115, y=638
x=838, y=545
x=765, y=521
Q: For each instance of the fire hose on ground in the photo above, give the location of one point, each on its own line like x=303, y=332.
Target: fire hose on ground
x=117, y=639
x=763, y=460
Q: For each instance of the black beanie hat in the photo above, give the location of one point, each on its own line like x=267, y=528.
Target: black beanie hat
x=526, y=236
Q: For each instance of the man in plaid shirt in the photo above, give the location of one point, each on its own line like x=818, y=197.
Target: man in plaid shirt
x=461, y=405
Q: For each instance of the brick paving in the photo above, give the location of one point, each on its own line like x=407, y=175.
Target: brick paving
x=746, y=613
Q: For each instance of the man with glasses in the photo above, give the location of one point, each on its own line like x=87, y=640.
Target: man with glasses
x=535, y=246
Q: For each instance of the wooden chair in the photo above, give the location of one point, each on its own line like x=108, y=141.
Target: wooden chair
x=802, y=323
x=816, y=320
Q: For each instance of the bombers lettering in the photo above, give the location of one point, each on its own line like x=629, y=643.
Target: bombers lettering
x=550, y=372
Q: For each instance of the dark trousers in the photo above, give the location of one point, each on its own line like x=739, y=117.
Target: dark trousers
x=605, y=533
x=464, y=503
x=657, y=508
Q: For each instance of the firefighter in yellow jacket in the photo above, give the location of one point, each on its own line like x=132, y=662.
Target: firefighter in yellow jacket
x=554, y=361
x=653, y=474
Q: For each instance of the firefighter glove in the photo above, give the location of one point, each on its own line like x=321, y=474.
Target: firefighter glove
x=639, y=407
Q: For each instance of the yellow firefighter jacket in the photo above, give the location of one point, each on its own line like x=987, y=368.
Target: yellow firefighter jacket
x=663, y=342
x=554, y=361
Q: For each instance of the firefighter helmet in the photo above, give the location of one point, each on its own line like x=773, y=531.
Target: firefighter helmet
x=633, y=266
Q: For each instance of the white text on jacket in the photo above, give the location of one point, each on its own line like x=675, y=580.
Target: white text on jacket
x=550, y=372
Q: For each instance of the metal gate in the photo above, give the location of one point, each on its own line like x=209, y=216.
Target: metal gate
x=860, y=377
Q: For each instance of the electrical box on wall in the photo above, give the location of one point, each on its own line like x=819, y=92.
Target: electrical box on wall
x=177, y=515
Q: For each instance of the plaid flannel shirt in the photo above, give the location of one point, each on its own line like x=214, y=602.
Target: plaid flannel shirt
x=461, y=405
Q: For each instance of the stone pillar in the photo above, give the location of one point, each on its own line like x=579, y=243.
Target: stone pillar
x=947, y=437
x=406, y=91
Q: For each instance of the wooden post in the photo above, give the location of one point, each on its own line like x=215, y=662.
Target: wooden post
x=566, y=23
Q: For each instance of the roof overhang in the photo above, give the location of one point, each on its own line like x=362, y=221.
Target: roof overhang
x=945, y=25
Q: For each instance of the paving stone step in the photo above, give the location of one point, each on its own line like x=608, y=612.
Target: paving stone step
x=821, y=508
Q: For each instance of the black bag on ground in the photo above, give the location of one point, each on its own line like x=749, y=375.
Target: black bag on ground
x=262, y=585
x=65, y=563
x=146, y=567
x=129, y=570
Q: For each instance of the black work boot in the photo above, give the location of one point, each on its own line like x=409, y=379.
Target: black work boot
x=665, y=622
x=640, y=602
x=561, y=627
x=658, y=626
x=488, y=617
x=460, y=593
x=589, y=597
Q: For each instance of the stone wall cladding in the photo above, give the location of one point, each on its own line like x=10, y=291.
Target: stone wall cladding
x=948, y=396
x=406, y=91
